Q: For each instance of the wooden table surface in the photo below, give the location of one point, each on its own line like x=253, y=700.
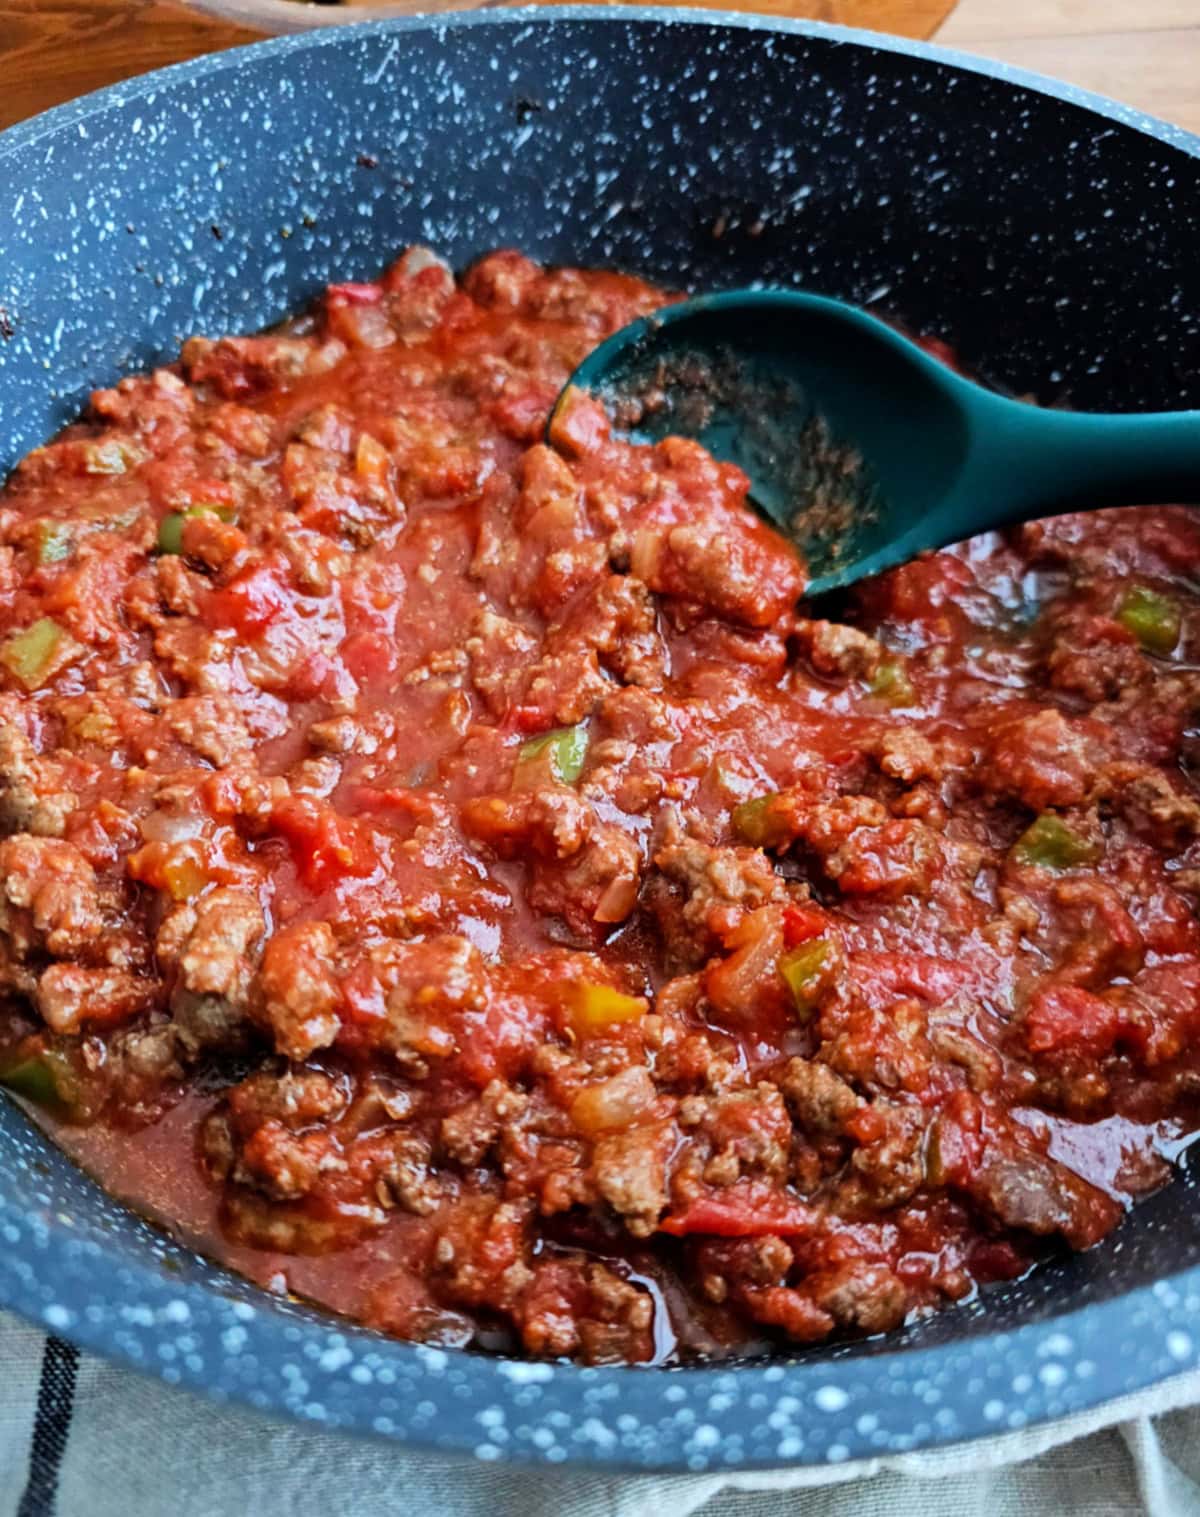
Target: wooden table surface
x=1146, y=52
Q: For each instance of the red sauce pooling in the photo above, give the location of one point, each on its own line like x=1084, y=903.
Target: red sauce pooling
x=449, y=875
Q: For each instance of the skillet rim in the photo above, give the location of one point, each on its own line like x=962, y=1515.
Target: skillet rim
x=69, y=112
x=830, y=1408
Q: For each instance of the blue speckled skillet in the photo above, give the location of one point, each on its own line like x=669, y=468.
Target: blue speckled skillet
x=1051, y=235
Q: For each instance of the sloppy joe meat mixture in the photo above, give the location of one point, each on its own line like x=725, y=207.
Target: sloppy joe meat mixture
x=453, y=875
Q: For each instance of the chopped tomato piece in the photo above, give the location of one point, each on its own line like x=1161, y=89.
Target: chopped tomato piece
x=368, y=655
x=327, y=847
x=249, y=603
x=743, y=1211
x=884, y=977
x=955, y=1144
x=1067, y=1017
x=363, y=998
x=393, y=798
x=800, y=923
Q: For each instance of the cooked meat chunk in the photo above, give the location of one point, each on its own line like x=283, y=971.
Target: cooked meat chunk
x=713, y=888
x=631, y=1173
x=409, y=1179
x=297, y=993
x=213, y=943
x=1045, y=760
x=468, y=1133
x=822, y=1101
x=49, y=901
x=619, y=621
x=860, y=1295
x=1027, y=1190
x=581, y=869
x=35, y=792
x=71, y=995
x=838, y=650
x=209, y=724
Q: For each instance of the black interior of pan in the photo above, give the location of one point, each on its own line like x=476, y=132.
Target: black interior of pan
x=1055, y=248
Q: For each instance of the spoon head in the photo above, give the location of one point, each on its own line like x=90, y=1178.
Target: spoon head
x=850, y=435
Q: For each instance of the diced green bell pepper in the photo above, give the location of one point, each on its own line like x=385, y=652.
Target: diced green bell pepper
x=891, y=683
x=170, y=533
x=759, y=823
x=44, y=1078
x=1153, y=618
x=39, y=651
x=1051, y=844
x=170, y=529
x=559, y=755
x=803, y=968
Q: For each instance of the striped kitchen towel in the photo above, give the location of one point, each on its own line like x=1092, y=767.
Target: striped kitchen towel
x=80, y=1438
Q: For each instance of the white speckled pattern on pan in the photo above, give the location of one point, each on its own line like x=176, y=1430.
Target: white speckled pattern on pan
x=1051, y=235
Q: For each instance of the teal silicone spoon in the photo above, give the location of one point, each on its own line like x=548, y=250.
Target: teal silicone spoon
x=861, y=445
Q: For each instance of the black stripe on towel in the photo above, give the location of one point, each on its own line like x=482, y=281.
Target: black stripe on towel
x=51, y=1425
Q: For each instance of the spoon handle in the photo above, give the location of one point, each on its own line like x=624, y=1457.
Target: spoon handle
x=1025, y=462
